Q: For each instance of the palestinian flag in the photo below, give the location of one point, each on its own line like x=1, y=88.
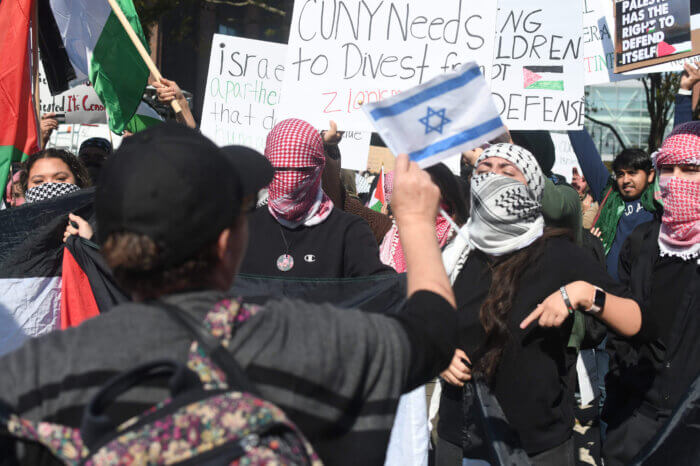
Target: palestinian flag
x=98, y=48
x=18, y=130
x=46, y=285
x=543, y=77
x=145, y=117
x=378, y=199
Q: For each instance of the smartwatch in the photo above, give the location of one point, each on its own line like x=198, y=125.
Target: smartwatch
x=598, y=301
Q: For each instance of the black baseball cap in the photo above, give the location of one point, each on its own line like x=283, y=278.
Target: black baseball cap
x=177, y=187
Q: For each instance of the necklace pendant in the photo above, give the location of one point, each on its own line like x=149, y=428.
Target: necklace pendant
x=285, y=263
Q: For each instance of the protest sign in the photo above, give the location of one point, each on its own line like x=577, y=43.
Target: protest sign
x=677, y=63
x=651, y=32
x=242, y=91
x=354, y=150
x=564, y=156
x=598, y=43
x=79, y=104
x=537, y=76
x=345, y=53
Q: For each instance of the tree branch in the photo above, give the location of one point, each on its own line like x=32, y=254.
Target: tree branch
x=610, y=127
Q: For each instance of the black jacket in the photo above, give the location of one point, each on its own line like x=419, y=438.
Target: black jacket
x=651, y=372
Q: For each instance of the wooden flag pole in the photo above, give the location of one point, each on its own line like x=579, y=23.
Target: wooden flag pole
x=139, y=46
x=35, y=70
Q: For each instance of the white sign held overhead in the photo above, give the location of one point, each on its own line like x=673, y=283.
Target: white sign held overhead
x=565, y=158
x=354, y=150
x=598, y=43
x=79, y=104
x=243, y=91
x=537, y=78
x=345, y=54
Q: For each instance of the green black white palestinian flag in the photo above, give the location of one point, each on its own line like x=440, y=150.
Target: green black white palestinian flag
x=97, y=48
x=543, y=77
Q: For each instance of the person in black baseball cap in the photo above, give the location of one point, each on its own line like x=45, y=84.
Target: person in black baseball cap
x=171, y=221
x=175, y=188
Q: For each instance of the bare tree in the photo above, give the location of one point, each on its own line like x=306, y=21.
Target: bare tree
x=660, y=89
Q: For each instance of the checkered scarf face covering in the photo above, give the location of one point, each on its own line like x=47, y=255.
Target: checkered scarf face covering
x=47, y=191
x=506, y=215
x=295, y=196
x=680, y=224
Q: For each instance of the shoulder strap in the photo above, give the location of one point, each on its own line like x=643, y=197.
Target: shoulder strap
x=236, y=378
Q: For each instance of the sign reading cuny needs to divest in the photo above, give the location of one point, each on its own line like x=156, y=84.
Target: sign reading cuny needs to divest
x=344, y=53
x=243, y=91
x=538, y=72
x=651, y=32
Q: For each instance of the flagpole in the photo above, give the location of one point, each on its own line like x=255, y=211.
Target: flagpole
x=35, y=70
x=139, y=46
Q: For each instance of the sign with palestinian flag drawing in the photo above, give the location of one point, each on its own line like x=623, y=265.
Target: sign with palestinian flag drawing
x=538, y=76
x=652, y=32
x=543, y=77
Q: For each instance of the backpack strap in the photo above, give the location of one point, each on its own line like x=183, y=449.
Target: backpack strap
x=235, y=376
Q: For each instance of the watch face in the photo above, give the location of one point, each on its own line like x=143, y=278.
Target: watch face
x=599, y=301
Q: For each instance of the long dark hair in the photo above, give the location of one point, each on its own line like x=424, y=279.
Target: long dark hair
x=82, y=177
x=451, y=191
x=505, y=282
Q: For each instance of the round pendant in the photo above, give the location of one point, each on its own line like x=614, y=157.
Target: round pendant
x=285, y=262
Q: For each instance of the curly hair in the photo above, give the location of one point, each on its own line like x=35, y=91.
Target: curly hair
x=505, y=282
x=77, y=168
x=136, y=263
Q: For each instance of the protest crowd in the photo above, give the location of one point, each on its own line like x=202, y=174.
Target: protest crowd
x=174, y=300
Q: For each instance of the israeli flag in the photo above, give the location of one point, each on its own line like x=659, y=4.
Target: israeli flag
x=447, y=115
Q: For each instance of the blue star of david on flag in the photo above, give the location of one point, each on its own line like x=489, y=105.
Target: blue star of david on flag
x=462, y=94
x=440, y=126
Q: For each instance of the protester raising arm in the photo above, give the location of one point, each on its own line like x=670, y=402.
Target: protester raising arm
x=167, y=92
x=47, y=125
x=684, y=97
x=623, y=315
x=594, y=170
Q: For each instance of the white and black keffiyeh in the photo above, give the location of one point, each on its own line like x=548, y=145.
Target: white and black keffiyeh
x=47, y=191
x=506, y=215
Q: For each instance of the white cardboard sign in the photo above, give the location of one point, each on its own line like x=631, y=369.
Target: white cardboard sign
x=598, y=43
x=354, y=150
x=537, y=78
x=243, y=91
x=344, y=54
x=79, y=104
x=565, y=158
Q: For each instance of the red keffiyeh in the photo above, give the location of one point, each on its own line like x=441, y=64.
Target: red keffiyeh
x=680, y=224
x=391, y=253
x=295, y=150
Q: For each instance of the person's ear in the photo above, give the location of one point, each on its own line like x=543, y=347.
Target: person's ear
x=223, y=245
x=650, y=177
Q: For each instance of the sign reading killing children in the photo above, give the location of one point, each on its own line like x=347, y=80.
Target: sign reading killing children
x=345, y=53
x=537, y=78
x=650, y=32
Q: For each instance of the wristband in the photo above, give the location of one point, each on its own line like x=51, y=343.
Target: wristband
x=567, y=301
